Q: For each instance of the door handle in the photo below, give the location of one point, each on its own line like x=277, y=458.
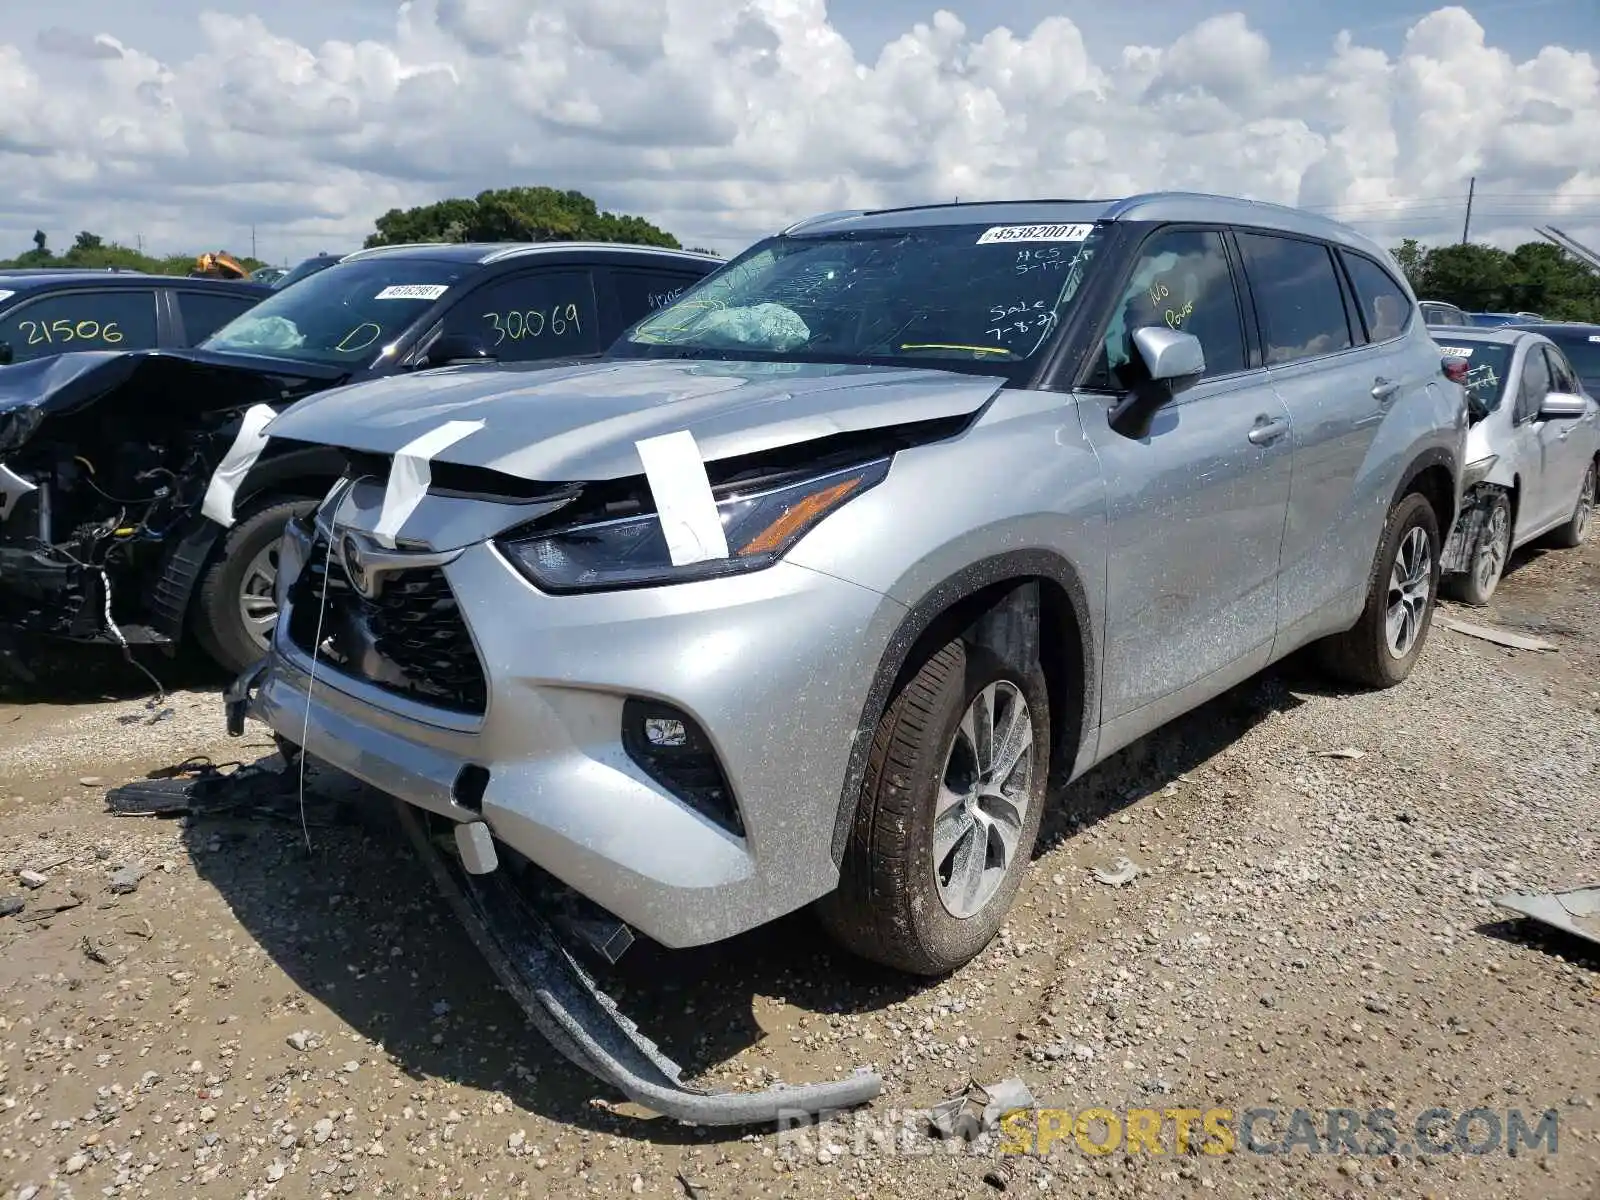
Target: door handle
x=1267, y=430
x=1383, y=389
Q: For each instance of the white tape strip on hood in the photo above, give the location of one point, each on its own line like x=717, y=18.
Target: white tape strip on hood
x=410, y=475
x=688, y=511
x=247, y=446
x=13, y=487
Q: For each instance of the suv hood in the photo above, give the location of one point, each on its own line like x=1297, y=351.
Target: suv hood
x=581, y=422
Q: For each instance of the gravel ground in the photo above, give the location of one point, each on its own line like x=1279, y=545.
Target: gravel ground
x=255, y=1018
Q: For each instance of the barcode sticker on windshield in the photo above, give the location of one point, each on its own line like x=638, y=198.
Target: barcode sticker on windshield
x=1458, y=351
x=413, y=291
x=1035, y=233
x=1593, y=337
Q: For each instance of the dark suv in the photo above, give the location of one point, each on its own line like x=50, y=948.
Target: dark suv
x=202, y=493
x=54, y=312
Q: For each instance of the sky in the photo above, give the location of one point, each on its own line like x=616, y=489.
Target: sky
x=183, y=125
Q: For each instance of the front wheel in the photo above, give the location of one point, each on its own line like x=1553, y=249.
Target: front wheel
x=948, y=814
x=1477, y=584
x=1571, y=535
x=1382, y=647
x=235, y=609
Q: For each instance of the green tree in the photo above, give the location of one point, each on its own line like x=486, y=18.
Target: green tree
x=87, y=241
x=1535, y=277
x=521, y=214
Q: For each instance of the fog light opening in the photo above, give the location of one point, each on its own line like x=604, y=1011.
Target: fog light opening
x=471, y=782
x=671, y=748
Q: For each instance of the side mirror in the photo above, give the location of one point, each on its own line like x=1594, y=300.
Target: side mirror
x=1170, y=355
x=450, y=348
x=1563, y=406
x=7, y=355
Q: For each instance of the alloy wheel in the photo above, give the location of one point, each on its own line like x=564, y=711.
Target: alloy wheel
x=982, y=799
x=1495, y=550
x=1410, y=592
x=258, y=607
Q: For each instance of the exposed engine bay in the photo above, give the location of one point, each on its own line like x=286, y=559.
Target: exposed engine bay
x=105, y=460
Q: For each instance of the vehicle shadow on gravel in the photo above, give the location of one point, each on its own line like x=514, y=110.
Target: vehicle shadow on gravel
x=1159, y=758
x=358, y=925
x=80, y=674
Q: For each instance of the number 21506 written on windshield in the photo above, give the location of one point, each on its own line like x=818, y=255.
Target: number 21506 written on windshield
x=561, y=319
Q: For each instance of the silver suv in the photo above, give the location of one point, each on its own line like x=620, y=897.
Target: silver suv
x=811, y=586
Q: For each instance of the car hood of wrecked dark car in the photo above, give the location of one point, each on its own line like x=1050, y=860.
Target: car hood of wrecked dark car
x=582, y=422
x=176, y=380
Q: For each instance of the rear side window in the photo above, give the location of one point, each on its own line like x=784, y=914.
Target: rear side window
x=640, y=293
x=124, y=319
x=1297, y=297
x=1384, y=307
x=204, y=313
x=549, y=314
x=1182, y=281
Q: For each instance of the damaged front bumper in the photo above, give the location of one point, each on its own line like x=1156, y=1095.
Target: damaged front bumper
x=562, y=999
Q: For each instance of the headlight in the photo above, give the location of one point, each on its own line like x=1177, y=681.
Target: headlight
x=632, y=551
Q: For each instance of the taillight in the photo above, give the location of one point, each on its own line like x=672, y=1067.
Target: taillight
x=1456, y=368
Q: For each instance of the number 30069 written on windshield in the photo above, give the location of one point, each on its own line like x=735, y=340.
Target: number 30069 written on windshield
x=561, y=319
x=67, y=330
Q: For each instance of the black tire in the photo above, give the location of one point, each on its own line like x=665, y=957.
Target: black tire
x=1571, y=535
x=1476, y=585
x=888, y=907
x=1361, y=654
x=219, y=625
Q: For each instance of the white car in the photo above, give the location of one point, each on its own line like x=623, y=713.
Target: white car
x=1532, y=455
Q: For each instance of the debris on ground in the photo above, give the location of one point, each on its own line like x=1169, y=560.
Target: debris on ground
x=1576, y=911
x=1119, y=874
x=10, y=906
x=33, y=880
x=693, y=1190
x=1500, y=637
x=1350, y=753
x=126, y=879
x=978, y=1109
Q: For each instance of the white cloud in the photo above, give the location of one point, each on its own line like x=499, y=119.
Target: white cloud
x=725, y=120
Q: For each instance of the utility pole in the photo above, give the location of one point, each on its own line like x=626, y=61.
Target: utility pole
x=253, y=234
x=1466, y=228
x=139, y=238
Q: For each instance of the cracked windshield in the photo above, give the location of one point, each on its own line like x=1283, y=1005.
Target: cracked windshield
x=971, y=297
x=344, y=315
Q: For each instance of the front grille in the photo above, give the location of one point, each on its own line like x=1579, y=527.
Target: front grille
x=409, y=640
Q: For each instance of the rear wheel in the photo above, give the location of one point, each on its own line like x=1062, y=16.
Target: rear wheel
x=948, y=815
x=1478, y=582
x=235, y=610
x=1383, y=646
x=1571, y=535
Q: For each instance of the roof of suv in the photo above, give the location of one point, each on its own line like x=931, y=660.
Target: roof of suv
x=1153, y=206
x=77, y=277
x=492, y=252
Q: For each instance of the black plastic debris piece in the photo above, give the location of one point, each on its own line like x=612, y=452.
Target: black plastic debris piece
x=10, y=906
x=582, y=1022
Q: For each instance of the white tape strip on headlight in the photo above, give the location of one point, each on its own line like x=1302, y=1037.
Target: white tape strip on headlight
x=247, y=446
x=687, y=509
x=410, y=475
x=13, y=487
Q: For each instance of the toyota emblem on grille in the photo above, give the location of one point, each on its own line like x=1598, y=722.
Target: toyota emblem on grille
x=355, y=567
